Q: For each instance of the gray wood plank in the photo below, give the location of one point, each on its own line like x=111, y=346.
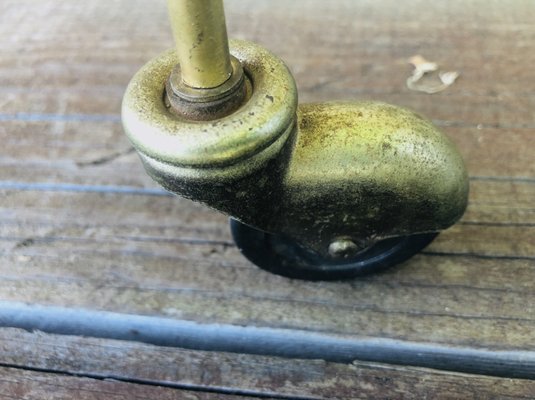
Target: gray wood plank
x=81, y=225
x=255, y=376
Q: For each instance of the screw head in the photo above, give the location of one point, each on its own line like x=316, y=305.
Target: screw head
x=343, y=248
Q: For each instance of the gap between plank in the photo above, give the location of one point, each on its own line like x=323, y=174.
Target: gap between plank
x=78, y=188
x=51, y=117
x=289, y=343
x=166, y=384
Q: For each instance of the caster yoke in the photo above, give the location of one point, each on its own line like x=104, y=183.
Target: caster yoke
x=315, y=191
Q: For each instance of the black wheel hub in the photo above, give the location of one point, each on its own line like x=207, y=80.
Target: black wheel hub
x=283, y=256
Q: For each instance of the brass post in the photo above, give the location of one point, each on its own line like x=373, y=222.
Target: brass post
x=201, y=42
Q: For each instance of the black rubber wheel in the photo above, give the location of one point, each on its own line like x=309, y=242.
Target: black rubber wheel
x=282, y=256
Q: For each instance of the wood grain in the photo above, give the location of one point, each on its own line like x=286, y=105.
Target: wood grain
x=258, y=376
x=29, y=385
x=81, y=225
x=184, y=271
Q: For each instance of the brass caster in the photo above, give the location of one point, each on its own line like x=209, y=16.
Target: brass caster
x=321, y=191
x=283, y=256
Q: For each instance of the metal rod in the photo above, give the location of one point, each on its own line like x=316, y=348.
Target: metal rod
x=201, y=42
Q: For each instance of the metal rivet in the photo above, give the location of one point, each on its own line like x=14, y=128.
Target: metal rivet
x=343, y=248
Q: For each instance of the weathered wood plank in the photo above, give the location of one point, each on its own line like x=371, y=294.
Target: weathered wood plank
x=353, y=57
x=108, y=249
x=164, y=266
x=227, y=372
x=194, y=272
x=16, y=384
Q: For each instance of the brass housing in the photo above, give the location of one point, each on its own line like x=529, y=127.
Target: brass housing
x=317, y=173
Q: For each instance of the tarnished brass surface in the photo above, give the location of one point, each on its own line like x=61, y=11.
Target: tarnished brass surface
x=341, y=172
x=369, y=171
x=255, y=132
x=201, y=42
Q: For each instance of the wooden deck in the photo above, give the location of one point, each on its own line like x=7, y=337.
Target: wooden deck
x=111, y=288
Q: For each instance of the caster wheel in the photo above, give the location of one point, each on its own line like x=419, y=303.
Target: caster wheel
x=282, y=256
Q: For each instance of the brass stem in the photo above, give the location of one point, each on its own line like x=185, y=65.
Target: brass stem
x=201, y=42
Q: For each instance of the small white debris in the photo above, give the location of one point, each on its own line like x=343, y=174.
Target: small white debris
x=423, y=67
x=448, y=78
